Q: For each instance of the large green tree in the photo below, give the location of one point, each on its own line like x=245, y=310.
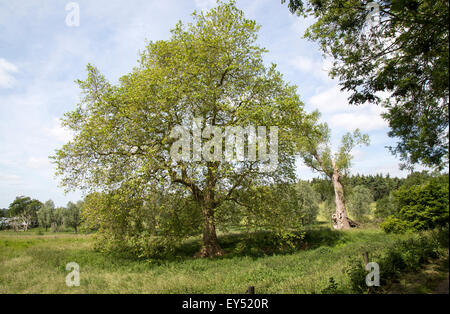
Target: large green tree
x=58, y=219
x=72, y=215
x=25, y=209
x=398, y=48
x=211, y=69
x=46, y=214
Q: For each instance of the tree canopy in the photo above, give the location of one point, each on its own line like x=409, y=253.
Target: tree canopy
x=396, y=48
x=46, y=214
x=211, y=70
x=360, y=201
x=25, y=209
x=420, y=207
x=72, y=215
x=315, y=149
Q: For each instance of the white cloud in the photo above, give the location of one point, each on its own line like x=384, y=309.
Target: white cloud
x=10, y=179
x=59, y=132
x=318, y=69
x=38, y=163
x=6, y=70
x=333, y=103
x=304, y=64
x=205, y=4
x=365, y=121
x=358, y=154
x=299, y=25
x=331, y=100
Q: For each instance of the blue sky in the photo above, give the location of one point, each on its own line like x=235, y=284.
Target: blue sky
x=41, y=56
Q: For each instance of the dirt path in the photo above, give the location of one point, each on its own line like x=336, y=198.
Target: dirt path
x=442, y=288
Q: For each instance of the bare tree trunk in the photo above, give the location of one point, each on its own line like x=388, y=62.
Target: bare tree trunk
x=25, y=223
x=340, y=219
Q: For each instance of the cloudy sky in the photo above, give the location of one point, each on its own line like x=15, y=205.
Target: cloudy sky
x=41, y=56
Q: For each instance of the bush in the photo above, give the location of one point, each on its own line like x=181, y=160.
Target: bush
x=441, y=235
x=420, y=207
x=385, y=206
x=356, y=272
x=332, y=288
x=395, y=225
x=39, y=232
x=323, y=237
x=260, y=243
x=403, y=256
x=149, y=227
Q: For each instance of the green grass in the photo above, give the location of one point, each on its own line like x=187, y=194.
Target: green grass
x=32, y=263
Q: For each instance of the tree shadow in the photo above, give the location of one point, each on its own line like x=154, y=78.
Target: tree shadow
x=263, y=243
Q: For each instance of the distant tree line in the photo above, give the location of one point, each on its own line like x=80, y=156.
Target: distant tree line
x=417, y=202
x=25, y=213
x=380, y=186
x=420, y=193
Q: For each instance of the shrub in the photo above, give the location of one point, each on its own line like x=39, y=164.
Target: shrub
x=420, y=207
x=332, y=287
x=271, y=208
x=441, y=235
x=403, y=256
x=356, y=272
x=149, y=227
x=385, y=206
x=323, y=237
x=39, y=232
x=264, y=242
x=395, y=225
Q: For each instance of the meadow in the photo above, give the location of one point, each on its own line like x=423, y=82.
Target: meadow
x=34, y=262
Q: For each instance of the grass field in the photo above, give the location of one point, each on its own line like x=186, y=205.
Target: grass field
x=34, y=263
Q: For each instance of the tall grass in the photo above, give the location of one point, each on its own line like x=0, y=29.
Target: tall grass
x=32, y=263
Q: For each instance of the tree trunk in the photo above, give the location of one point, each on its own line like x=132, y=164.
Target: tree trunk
x=211, y=247
x=340, y=219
